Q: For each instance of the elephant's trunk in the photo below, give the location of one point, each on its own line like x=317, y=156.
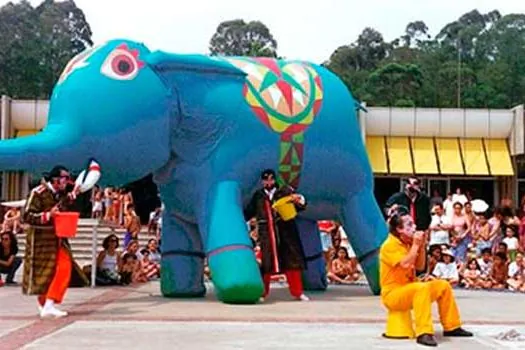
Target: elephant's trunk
x=41, y=152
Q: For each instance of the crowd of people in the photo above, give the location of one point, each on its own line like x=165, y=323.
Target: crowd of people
x=133, y=265
x=471, y=246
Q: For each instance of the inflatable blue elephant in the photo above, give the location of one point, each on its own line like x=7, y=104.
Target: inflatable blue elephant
x=206, y=127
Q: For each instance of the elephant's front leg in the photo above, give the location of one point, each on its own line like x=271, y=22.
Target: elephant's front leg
x=234, y=270
x=366, y=229
x=314, y=277
x=182, y=264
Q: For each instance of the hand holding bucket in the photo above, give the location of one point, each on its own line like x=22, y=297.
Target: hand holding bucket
x=66, y=223
x=285, y=208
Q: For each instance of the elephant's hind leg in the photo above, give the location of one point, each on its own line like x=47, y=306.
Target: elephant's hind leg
x=366, y=229
x=234, y=270
x=182, y=264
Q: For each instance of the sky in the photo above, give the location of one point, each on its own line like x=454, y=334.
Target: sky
x=307, y=29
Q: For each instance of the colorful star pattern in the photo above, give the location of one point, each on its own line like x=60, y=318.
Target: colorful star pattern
x=285, y=96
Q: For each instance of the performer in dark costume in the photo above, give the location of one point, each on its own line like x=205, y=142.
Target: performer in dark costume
x=282, y=251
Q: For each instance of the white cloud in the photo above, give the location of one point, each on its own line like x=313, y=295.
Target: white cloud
x=307, y=29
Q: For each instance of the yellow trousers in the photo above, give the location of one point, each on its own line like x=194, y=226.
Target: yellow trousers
x=418, y=296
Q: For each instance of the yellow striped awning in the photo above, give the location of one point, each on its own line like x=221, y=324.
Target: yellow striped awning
x=474, y=157
x=400, y=161
x=498, y=157
x=449, y=156
x=375, y=146
x=424, y=155
x=29, y=132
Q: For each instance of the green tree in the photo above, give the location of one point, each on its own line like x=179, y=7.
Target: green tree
x=238, y=38
x=395, y=85
x=36, y=44
x=476, y=61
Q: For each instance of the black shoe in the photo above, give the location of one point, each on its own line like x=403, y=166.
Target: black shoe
x=427, y=340
x=458, y=332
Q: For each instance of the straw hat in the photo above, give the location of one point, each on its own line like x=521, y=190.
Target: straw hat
x=448, y=252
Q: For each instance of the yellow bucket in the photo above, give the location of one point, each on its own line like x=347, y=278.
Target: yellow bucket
x=285, y=208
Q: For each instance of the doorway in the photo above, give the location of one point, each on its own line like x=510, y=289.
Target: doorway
x=478, y=188
x=384, y=187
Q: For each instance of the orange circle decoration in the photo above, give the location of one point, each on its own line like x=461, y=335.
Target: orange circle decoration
x=285, y=96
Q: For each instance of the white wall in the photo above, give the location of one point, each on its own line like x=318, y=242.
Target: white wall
x=435, y=122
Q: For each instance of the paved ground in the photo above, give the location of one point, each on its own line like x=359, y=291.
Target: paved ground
x=343, y=317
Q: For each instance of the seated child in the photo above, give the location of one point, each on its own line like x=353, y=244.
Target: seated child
x=517, y=274
x=511, y=241
x=446, y=269
x=471, y=275
x=499, y=271
x=150, y=268
x=131, y=270
x=485, y=267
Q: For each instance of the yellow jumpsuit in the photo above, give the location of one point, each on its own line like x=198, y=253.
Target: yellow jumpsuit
x=401, y=292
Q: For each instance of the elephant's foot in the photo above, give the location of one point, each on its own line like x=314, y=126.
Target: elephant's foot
x=181, y=276
x=366, y=229
x=234, y=270
x=182, y=264
x=314, y=277
x=236, y=275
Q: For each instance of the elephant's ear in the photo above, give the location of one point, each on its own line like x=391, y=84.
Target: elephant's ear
x=165, y=62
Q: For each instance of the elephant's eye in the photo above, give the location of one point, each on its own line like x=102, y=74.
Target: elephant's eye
x=122, y=64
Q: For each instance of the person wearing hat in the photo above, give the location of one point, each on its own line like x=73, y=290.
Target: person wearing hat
x=447, y=269
x=400, y=256
x=281, y=247
x=415, y=200
x=49, y=268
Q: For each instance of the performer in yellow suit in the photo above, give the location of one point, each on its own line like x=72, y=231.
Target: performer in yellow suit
x=400, y=256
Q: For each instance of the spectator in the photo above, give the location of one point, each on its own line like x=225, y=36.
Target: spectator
x=415, y=200
x=434, y=256
x=511, y=241
x=436, y=199
x=439, y=227
x=459, y=197
x=132, y=224
x=96, y=212
x=342, y=268
x=9, y=262
x=495, y=224
x=481, y=234
x=109, y=215
x=516, y=281
x=460, y=229
x=108, y=261
x=154, y=217
x=500, y=271
x=133, y=248
x=472, y=275
x=153, y=249
x=447, y=269
x=448, y=205
x=12, y=221
x=485, y=267
x=150, y=268
x=325, y=227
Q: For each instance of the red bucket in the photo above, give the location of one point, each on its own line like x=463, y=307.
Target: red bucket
x=66, y=224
